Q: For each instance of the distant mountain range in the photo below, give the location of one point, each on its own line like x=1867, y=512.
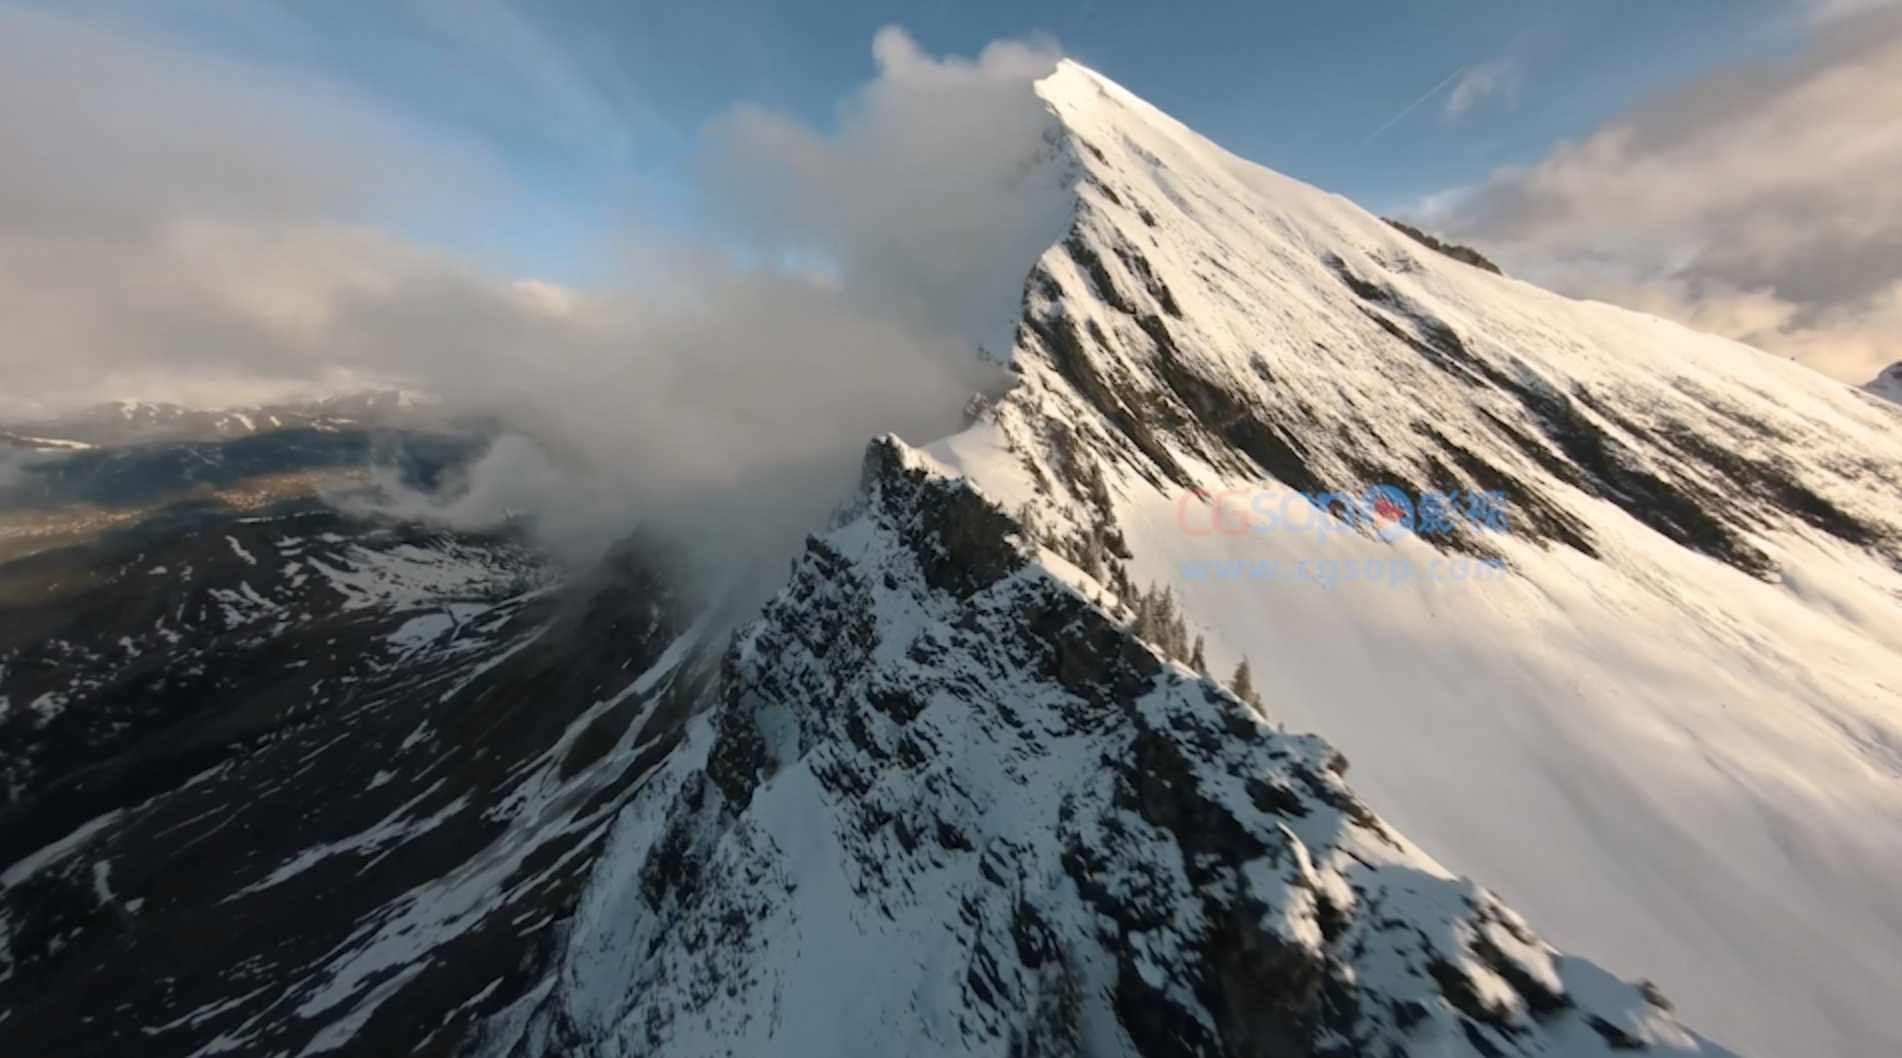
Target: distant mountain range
x=135, y=421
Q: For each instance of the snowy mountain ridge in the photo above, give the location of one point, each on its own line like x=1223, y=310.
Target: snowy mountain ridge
x=942, y=796
x=949, y=805
x=1687, y=696
x=910, y=729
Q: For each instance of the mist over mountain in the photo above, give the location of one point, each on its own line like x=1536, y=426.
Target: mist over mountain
x=722, y=389
x=1064, y=589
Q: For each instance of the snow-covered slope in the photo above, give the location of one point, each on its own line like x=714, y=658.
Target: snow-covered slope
x=947, y=804
x=950, y=795
x=1659, y=708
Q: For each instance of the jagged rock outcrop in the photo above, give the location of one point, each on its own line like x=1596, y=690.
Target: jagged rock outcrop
x=976, y=815
x=1462, y=254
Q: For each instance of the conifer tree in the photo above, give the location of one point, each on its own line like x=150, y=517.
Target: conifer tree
x=1243, y=684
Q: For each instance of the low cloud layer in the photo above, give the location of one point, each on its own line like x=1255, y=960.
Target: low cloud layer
x=176, y=226
x=176, y=235
x=1763, y=202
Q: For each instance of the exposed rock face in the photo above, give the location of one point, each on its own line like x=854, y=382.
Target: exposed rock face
x=984, y=818
x=1463, y=254
x=1888, y=384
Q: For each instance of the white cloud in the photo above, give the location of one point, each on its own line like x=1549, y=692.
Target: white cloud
x=726, y=402
x=929, y=180
x=1763, y=200
x=1476, y=83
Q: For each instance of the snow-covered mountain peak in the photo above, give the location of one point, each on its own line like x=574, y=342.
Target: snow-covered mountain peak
x=955, y=797
x=1223, y=292
x=965, y=786
x=1092, y=107
x=1630, y=599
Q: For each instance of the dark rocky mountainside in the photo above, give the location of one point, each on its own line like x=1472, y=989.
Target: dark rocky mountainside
x=270, y=771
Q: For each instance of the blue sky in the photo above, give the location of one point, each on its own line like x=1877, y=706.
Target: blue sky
x=221, y=197
x=593, y=108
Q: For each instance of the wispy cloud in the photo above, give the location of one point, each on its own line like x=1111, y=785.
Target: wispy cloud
x=1763, y=201
x=497, y=40
x=1500, y=77
x=1471, y=84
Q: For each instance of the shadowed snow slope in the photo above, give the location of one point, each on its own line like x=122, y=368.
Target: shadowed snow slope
x=1660, y=709
x=1888, y=384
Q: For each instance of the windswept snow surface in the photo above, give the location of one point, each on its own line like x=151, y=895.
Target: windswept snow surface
x=1670, y=733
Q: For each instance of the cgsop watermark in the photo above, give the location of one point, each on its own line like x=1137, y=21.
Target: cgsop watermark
x=1385, y=511
x=1389, y=511
x=1330, y=573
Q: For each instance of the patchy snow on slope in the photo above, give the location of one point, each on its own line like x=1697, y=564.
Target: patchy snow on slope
x=399, y=826
x=239, y=550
